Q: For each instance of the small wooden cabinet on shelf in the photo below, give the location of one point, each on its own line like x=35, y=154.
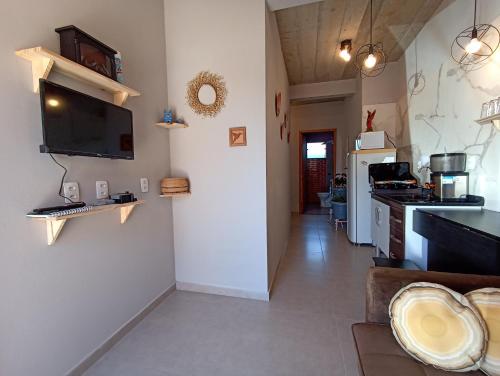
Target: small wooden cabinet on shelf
x=56, y=224
x=44, y=60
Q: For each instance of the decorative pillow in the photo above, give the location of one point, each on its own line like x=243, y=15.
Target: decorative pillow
x=487, y=302
x=438, y=326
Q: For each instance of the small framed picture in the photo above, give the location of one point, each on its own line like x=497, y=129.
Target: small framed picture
x=238, y=136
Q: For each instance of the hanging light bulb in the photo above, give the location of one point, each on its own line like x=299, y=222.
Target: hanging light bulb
x=475, y=44
x=345, y=50
x=370, y=61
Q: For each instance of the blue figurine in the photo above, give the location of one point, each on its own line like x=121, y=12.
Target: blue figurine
x=167, y=116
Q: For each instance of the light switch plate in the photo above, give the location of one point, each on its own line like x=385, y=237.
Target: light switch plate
x=101, y=189
x=144, y=185
x=71, y=191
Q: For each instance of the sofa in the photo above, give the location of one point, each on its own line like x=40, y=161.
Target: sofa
x=377, y=350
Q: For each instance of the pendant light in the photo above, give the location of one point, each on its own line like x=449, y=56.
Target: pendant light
x=370, y=58
x=475, y=44
x=345, y=50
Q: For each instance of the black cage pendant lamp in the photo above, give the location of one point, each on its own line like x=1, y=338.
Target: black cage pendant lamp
x=370, y=58
x=474, y=45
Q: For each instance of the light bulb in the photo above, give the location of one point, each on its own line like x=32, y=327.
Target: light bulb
x=53, y=102
x=473, y=46
x=370, y=61
x=345, y=55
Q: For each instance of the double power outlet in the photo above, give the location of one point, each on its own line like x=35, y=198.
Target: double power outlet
x=72, y=190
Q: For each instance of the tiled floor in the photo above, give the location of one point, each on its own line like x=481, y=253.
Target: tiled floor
x=304, y=330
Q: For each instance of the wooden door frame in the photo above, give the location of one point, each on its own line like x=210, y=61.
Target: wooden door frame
x=301, y=160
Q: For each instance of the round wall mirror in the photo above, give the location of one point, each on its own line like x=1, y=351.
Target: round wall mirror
x=207, y=94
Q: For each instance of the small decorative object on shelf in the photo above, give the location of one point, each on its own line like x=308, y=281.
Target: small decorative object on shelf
x=171, y=187
x=369, y=120
x=84, y=49
x=238, y=136
x=167, y=116
x=119, y=67
x=490, y=113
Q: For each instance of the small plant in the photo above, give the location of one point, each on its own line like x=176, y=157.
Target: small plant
x=339, y=198
x=340, y=180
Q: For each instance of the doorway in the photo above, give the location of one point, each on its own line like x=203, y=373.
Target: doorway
x=317, y=149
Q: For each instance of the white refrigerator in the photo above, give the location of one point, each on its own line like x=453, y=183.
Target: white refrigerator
x=358, y=191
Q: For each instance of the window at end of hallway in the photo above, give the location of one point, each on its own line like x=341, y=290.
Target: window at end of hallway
x=316, y=150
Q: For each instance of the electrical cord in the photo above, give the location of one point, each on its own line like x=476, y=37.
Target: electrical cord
x=393, y=144
x=62, y=179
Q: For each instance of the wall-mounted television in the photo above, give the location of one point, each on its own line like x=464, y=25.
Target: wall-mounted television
x=77, y=124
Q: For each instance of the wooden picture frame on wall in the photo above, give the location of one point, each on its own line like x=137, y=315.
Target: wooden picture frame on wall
x=238, y=136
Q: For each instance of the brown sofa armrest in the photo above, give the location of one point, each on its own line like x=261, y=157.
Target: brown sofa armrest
x=383, y=283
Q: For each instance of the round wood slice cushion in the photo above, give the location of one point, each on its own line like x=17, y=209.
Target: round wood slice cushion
x=487, y=302
x=438, y=326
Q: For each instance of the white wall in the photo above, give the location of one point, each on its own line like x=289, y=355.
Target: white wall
x=277, y=149
x=388, y=87
x=441, y=117
x=339, y=88
x=61, y=302
x=220, y=231
x=313, y=116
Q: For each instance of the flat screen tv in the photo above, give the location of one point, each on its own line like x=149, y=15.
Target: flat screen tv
x=77, y=124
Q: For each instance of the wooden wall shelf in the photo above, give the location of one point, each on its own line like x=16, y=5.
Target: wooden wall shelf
x=43, y=61
x=182, y=194
x=171, y=125
x=56, y=224
x=494, y=119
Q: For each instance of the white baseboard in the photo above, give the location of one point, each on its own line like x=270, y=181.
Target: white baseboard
x=218, y=290
x=95, y=355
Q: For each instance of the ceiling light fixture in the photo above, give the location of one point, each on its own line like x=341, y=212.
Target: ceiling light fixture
x=475, y=44
x=345, y=50
x=370, y=58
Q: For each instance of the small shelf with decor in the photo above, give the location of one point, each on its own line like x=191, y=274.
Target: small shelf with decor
x=43, y=61
x=175, y=187
x=55, y=224
x=171, y=125
x=493, y=119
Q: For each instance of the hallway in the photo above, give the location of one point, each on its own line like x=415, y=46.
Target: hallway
x=304, y=329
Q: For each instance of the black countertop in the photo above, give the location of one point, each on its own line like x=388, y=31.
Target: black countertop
x=415, y=199
x=485, y=222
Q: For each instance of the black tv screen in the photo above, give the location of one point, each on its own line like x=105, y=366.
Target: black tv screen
x=77, y=124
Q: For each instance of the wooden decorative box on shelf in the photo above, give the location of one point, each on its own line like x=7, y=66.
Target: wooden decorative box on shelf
x=43, y=61
x=56, y=224
x=172, y=125
x=494, y=119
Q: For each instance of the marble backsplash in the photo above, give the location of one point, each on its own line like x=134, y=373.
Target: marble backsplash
x=441, y=116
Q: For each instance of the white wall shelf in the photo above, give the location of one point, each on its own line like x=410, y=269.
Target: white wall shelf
x=171, y=125
x=56, y=224
x=494, y=119
x=43, y=61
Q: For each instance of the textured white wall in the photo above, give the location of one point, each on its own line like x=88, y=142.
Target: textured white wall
x=220, y=231
x=60, y=302
x=317, y=116
x=278, y=151
x=441, y=117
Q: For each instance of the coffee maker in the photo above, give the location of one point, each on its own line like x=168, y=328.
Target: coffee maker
x=448, y=176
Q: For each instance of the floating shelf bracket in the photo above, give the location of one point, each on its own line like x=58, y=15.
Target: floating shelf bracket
x=493, y=119
x=56, y=224
x=43, y=61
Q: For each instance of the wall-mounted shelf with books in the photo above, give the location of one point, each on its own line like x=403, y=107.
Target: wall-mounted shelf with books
x=493, y=119
x=55, y=224
x=44, y=60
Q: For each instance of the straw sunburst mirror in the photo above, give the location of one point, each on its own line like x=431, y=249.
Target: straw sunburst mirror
x=206, y=94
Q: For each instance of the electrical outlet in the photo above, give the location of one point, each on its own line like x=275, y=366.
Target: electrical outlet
x=72, y=192
x=101, y=189
x=144, y=185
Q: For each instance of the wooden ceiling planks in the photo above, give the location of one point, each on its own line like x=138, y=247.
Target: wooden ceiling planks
x=311, y=34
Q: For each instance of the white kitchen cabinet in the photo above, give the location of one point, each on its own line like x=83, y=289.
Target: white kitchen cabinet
x=381, y=227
